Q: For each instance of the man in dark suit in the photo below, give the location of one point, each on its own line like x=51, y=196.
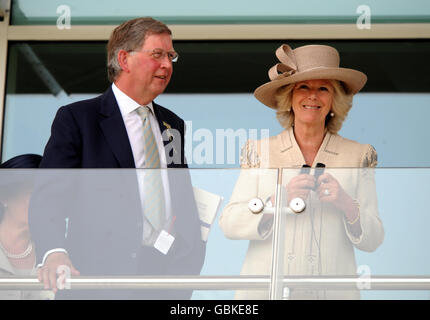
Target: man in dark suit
x=110, y=229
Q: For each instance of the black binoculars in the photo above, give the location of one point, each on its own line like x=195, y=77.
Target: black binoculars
x=319, y=170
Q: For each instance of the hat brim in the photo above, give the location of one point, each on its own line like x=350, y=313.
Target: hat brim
x=353, y=81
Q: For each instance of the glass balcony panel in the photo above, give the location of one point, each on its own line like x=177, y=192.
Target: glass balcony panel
x=96, y=213
x=388, y=239
x=101, y=217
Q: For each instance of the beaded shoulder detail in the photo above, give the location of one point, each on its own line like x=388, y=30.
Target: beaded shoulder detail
x=249, y=157
x=370, y=159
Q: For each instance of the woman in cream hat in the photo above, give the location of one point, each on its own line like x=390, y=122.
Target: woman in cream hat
x=312, y=96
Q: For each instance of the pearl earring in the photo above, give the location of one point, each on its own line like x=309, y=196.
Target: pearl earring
x=332, y=114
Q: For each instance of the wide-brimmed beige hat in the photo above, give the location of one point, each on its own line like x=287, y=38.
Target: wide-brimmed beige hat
x=307, y=63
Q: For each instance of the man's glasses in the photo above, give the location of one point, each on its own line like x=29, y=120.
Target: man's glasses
x=160, y=54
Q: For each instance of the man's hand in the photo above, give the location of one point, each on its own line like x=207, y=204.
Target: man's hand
x=56, y=264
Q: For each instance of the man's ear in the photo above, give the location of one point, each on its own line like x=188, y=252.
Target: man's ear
x=123, y=60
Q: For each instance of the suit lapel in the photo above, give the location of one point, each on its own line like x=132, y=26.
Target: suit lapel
x=292, y=156
x=328, y=149
x=290, y=152
x=114, y=130
x=162, y=119
x=165, y=122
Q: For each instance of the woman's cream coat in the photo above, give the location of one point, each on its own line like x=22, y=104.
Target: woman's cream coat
x=318, y=241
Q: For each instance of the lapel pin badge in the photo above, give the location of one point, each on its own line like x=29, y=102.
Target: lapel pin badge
x=168, y=126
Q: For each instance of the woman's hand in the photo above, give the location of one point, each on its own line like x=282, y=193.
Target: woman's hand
x=329, y=190
x=300, y=186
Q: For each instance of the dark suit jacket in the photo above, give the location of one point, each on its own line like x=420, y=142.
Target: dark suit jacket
x=105, y=225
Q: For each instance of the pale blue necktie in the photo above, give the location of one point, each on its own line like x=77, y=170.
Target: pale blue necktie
x=153, y=185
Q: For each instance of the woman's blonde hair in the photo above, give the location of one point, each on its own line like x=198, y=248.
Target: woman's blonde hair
x=342, y=103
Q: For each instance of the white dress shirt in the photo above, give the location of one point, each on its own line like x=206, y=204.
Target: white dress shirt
x=134, y=126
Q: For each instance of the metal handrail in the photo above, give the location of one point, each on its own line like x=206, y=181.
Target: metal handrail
x=227, y=282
